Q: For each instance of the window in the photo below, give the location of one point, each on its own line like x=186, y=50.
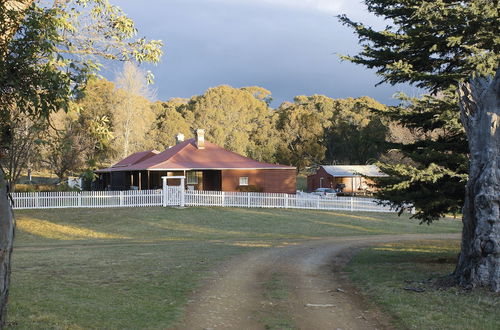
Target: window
x=192, y=177
x=243, y=180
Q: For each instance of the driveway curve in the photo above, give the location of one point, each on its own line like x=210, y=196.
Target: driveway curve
x=318, y=297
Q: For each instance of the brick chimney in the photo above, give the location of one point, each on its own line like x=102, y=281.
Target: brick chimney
x=200, y=138
x=179, y=138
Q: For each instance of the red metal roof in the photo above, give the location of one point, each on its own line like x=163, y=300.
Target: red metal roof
x=136, y=158
x=186, y=156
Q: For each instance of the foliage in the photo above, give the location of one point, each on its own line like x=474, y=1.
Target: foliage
x=167, y=124
x=433, y=45
x=319, y=129
x=233, y=118
x=95, y=111
x=48, y=53
x=357, y=134
x=435, y=179
x=54, y=50
x=302, y=125
x=132, y=115
x=23, y=145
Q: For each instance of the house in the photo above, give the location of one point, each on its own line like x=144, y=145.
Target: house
x=350, y=178
x=205, y=165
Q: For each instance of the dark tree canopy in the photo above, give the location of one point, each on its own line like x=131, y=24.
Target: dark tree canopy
x=439, y=46
x=433, y=45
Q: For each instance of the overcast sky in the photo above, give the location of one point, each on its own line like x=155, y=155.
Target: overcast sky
x=289, y=47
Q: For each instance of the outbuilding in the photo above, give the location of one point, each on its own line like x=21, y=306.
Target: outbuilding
x=205, y=165
x=348, y=178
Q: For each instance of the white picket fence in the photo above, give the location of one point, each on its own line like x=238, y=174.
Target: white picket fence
x=93, y=199
x=174, y=196
x=285, y=201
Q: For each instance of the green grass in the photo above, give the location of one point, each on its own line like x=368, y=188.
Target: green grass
x=384, y=271
x=133, y=268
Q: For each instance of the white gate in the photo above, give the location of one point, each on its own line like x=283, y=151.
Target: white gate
x=173, y=195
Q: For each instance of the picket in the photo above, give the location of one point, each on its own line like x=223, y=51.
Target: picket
x=174, y=196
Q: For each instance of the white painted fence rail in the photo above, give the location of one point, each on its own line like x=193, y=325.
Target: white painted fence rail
x=142, y=198
x=271, y=200
x=50, y=200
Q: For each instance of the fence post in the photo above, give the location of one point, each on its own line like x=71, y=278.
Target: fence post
x=80, y=199
x=37, y=200
x=352, y=203
x=223, y=199
x=317, y=202
x=182, y=195
x=164, y=191
x=121, y=198
x=286, y=201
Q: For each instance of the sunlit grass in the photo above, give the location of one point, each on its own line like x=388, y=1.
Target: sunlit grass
x=384, y=271
x=55, y=231
x=134, y=268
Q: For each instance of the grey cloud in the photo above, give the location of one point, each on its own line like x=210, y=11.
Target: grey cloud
x=288, y=51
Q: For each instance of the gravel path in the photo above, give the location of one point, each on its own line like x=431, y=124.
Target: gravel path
x=319, y=297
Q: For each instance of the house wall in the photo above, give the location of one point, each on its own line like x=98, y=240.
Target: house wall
x=352, y=184
x=319, y=180
x=272, y=181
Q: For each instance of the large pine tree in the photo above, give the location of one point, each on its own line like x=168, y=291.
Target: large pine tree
x=436, y=45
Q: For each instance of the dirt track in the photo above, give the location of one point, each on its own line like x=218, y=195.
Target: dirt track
x=319, y=297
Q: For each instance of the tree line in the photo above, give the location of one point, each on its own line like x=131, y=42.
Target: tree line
x=110, y=120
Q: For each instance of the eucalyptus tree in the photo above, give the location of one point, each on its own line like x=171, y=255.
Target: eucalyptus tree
x=436, y=45
x=48, y=50
x=133, y=114
x=234, y=118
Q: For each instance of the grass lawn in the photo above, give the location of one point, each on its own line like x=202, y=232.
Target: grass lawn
x=384, y=271
x=134, y=268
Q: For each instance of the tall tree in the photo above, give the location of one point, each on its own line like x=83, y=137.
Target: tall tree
x=479, y=261
x=167, y=124
x=23, y=145
x=133, y=115
x=232, y=117
x=95, y=112
x=318, y=129
x=302, y=127
x=357, y=133
x=435, y=45
x=47, y=53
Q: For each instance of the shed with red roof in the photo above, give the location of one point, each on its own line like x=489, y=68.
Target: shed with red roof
x=205, y=165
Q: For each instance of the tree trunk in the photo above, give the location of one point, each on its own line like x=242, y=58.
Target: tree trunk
x=10, y=24
x=479, y=262
x=7, y=225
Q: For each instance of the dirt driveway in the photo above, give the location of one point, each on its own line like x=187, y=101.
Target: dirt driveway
x=318, y=297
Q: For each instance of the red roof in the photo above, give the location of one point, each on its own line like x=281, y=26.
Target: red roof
x=186, y=156
x=135, y=158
